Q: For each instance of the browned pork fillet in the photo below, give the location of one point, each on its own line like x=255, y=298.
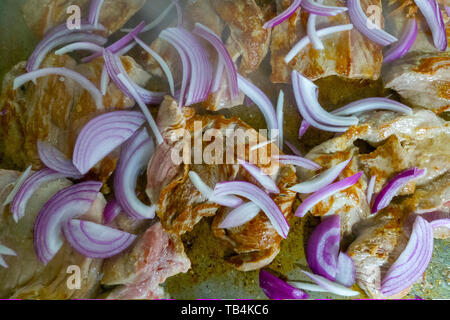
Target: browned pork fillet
x=27, y=277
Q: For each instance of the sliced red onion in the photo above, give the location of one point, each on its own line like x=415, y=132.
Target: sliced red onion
x=224, y=56
x=117, y=46
x=94, y=240
x=218, y=77
x=17, y=185
x=27, y=189
x=280, y=117
x=346, y=271
x=114, y=67
x=134, y=158
x=323, y=247
x=321, y=10
x=312, y=33
x=331, y=286
x=81, y=80
x=262, y=178
x=294, y=150
x=196, y=65
x=55, y=160
x=157, y=22
x=276, y=289
x=370, y=188
x=78, y=46
x=164, y=66
x=283, y=16
x=305, y=92
x=240, y=215
x=61, y=35
x=326, y=192
x=433, y=15
x=68, y=203
x=261, y=100
x=112, y=210
x=404, y=44
x=207, y=192
x=94, y=11
x=304, y=126
x=412, y=262
x=385, y=196
x=6, y=252
x=102, y=135
x=104, y=81
x=307, y=286
x=367, y=27
x=322, y=180
x=320, y=33
x=179, y=13
x=440, y=223
x=136, y=96
x=298, y=162
x=257, y=196
x=447, y=9
x=370, y=104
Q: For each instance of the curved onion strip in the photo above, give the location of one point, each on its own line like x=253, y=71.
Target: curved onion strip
x=117, y=46
x=331, y=286
x=321, y=10
x=157, y=22
x=367, y=27
x=276, y=289
x=433, y=15
x=326, y=192
x=27, y=189
x=17, y=185
x=312, y=112
x=304, y=126
x=61, y=35
x=294, y=150
x=346, y=271
x=283, y=16
x=440, y=223
x=323, y=247
x=280, y=117
x=261, y=100
x=259, y=197
x=102, y=135
x=114, y=67
x=321, y=180
x=263, y=179
x=56, y=160
x=298, y=162
x=134, y=158
x=224, y=56
x=200, y=69
x=312, y=33
x=94, y=240
x=68, y=203
x=404, y=44
x=77, y=46
x=7, y=252
x=307, y=286
x=104, y=81
x=370, y=104
x=240, y=215
x=129, y=86
x=162, y=63
x=111, y=211
x=207, y=192
x=320, y=33
x=412, y=262
x=392, y=188
x=218, y=77
x=94, y=11
x=81, y=80
x=370, y=188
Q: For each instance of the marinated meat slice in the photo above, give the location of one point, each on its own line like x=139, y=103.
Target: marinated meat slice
x=27, y=277
x=141, y=270
x=55, y=110
x=383, y=144
x=182, y=206
x=347, y=54
x=42, y=15
x=245, y=19
x=422, y=79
